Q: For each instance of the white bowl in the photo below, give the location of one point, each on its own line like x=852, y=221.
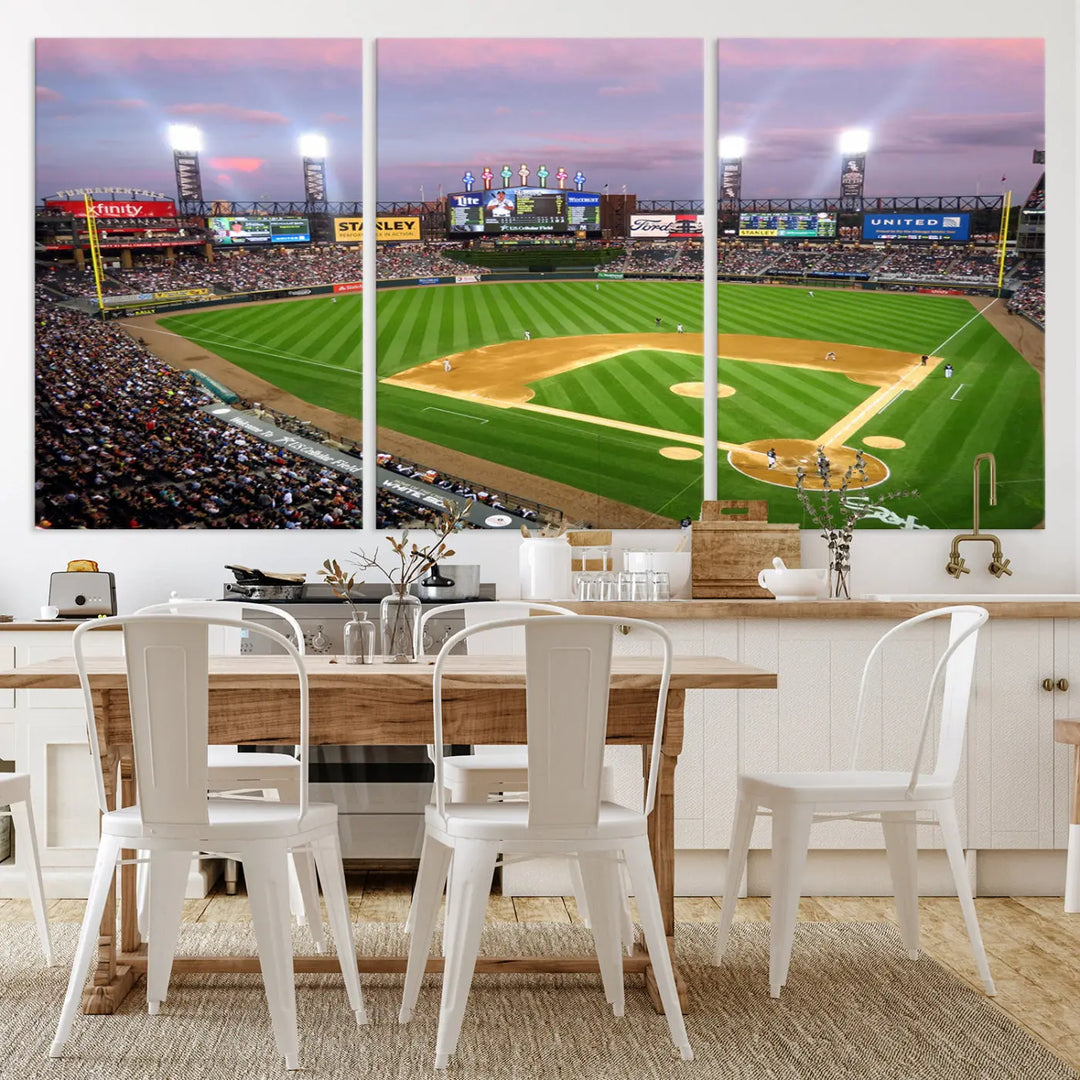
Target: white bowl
x=795, y=584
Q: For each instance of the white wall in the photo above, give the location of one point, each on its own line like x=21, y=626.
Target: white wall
x=148, y=564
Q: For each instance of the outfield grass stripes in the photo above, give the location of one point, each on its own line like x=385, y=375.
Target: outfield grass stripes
x=999, y=410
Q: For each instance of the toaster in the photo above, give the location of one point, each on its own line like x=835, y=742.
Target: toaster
x=82, y=595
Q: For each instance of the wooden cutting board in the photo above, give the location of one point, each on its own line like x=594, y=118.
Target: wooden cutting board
x=732, y=543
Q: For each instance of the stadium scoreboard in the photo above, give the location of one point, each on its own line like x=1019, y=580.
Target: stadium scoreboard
x=240, y=231
x=523, y=210
x=789, y=226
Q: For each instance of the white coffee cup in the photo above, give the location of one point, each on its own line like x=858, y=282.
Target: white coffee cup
x=50, y=611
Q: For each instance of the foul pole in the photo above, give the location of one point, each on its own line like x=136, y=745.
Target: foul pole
x=95, y=251
x=1006, y=206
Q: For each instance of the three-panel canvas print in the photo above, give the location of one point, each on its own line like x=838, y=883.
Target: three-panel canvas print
x=542, y=269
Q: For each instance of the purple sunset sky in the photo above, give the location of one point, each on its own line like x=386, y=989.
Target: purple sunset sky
x=947, y=116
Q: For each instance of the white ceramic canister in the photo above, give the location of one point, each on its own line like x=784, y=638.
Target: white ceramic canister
x=544, y=567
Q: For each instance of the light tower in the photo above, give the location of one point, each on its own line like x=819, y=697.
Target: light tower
x=313, y=152
x=186, y=142
x=732, y=149
x=853, y=146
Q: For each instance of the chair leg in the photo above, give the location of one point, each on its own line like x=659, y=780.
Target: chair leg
x=142, y=894
x=950, y=830
x=474, y=864
x=790, y=839
x=100, y=883
x=302, y=867
x=266, y=871
x=577, y=886
x=643, y=877
x=902, y=849
x=599, y=876
x=22, y=817
x=327, y=854
x=741, y=832
x=168, y=872
x=427, y=896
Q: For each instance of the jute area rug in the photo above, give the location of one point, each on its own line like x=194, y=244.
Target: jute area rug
x=854, y=1006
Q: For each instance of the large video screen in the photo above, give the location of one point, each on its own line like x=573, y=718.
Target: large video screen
x=523, y=210
x=791, y=226
x=916, y=226
x=238, y=231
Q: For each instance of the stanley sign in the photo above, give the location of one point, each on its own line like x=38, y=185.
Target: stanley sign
x=350, y=230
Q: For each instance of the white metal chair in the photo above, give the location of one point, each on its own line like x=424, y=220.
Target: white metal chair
x=167, y=662
x=15, y=795
x=276, y=775
x=797, y=800
x=504, y=771
x=568, y=666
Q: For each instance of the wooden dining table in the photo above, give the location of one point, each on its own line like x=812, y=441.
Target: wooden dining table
x=254, y=699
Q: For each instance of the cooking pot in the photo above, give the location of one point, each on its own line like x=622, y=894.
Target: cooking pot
x=259, y=585
x=450, y=581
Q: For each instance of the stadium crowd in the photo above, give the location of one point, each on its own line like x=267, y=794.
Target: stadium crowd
x=122, y=442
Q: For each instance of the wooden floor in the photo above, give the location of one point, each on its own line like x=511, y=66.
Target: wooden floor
x=1034, y=948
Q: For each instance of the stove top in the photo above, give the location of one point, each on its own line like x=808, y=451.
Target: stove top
x=319, y=593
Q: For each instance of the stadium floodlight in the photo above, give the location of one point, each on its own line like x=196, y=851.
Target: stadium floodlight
x=854, y=141
x=185, y=137
x=732, y=147
x=313, y=146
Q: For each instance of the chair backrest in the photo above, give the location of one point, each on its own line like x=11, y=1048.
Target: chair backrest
x=956, y=668
x=567, y=674
x=167, y=659
x=510, y=641
x=233, y=611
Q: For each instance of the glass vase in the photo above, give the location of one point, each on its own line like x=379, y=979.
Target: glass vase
x=359, y=639
x=839, y=541
x=399, y=618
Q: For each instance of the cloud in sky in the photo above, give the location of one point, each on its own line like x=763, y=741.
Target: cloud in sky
x=238, y=164
x=223, y=111
x=131, y=56
x=121, y=103
x=45, y=93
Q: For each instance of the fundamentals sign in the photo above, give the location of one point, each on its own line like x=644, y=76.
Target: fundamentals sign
x=351, y=229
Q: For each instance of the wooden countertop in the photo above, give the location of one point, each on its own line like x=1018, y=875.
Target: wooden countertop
x=663, y=610
x=48, y=625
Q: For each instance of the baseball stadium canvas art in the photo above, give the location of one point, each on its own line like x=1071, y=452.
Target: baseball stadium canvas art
x=540, y=315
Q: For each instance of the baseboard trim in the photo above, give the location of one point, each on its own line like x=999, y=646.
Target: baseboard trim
x=828, y=873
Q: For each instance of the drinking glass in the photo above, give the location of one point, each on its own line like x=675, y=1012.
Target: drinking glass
x=659, y=588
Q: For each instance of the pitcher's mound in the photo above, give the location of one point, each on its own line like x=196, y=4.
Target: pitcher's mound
x=697, y=389
x=884, y=442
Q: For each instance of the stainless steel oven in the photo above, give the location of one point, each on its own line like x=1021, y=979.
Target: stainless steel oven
x=380, y=791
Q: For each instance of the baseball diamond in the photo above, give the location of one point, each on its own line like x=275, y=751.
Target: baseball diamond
x=599, y=398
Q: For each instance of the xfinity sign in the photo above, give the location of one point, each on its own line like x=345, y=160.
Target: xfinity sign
x=916, y=226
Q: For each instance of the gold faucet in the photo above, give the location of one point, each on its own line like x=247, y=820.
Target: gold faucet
x=998, y=565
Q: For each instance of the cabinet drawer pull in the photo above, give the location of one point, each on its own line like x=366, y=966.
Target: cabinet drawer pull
x=1048, y=684
x=1063, y=684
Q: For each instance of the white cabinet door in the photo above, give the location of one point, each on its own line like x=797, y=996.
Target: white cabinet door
x=1067, y=707
x=55, y=752
x=1011, y=748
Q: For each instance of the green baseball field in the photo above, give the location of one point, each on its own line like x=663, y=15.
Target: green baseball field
x=604, y=400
